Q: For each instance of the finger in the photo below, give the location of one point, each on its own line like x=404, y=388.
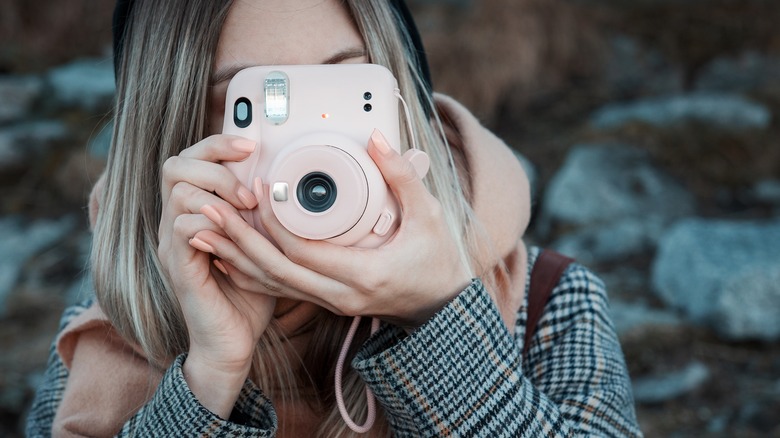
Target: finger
x=181, y=259
x=175, y=248
x=245, y=274
x=185, y=226
x=252, y=253
x=187, y=198
x=220, y=147
x=400, y=174
x=210, y=177
x=334, y=261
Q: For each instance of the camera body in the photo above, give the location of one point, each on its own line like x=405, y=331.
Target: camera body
x=312, y=124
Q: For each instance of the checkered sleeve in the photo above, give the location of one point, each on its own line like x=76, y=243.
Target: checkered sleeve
x=172, y=411
x=462, y=373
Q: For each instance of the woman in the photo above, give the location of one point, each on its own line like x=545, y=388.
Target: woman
x=203, y=326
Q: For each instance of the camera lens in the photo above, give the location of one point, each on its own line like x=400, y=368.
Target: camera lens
x=316, y=192
x=367, y=107
x=367, y=95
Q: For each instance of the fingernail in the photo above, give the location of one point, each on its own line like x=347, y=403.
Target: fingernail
x=257, y=184
x=220, y=266
x=247, y=198
x=213, y=215
x=380, y=142
x=201, y=245
x=244, y=145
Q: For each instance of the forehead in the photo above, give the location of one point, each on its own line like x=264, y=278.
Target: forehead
x=266, y=32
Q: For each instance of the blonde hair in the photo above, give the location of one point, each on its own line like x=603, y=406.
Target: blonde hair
x=161, y=109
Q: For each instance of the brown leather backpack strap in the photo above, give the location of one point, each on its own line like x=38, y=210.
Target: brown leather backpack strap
x=545, y=275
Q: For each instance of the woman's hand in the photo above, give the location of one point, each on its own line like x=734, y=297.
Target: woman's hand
x=405, y=281
x=224, y=322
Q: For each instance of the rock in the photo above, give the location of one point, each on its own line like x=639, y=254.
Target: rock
x=724, y=111
x=14, y=392
x=18, y=94
x=613, y=241
x=663, y=387
x=601, y=184
x=699, y=259
x=767, y=191
x=633, y=317
x=625, y=282
x=630, y=69
x=87, y=84
x=22, y=142
x=749, y=71
x=748, y=306
x=22, y=240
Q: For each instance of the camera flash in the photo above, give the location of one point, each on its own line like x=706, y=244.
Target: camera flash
x=277, y=97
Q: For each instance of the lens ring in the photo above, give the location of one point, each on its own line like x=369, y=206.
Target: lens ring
x=316, y=192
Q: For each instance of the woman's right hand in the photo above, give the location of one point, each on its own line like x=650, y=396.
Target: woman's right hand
x=224, y=322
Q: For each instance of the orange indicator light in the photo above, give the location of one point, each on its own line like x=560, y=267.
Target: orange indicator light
x=325, y=115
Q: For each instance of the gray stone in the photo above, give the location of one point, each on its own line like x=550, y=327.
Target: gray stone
x=631, y=68
x=87, y=84
x=749, y=71
x=22, y=141
x=613, y=241
x=698, y=259
x=633, y=317
x=18, y=95
x=9, y=276
x=624, y=281
x=767, y=191
x=599, y=184
x=723, y=111
x=14, y=392
x=749, y=305
x=20, y=241
x=668, y=386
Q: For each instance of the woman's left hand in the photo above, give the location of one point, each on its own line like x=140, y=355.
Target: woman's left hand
x=405, y=281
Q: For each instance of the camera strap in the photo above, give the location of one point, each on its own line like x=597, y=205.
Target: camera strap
x=421, y=164
x=370, y=400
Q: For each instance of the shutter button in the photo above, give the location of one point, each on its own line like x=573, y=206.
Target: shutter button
x=383, y=223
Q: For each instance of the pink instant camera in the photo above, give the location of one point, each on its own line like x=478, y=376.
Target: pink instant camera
x=312, y=124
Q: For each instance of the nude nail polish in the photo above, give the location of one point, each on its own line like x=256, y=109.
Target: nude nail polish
x=213, y=215
x=243, y=145
x=200, y=245
x=247, y=198
x=380, y=142
x=221, y=267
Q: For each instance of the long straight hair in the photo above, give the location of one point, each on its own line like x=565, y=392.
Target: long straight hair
x=161, y=109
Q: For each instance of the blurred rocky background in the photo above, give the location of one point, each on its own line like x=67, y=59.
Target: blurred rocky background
x=649, y=128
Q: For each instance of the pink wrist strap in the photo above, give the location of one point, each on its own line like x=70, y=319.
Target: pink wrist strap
x=370, y=401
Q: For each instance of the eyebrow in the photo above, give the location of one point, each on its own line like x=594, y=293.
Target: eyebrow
x=227, y=73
